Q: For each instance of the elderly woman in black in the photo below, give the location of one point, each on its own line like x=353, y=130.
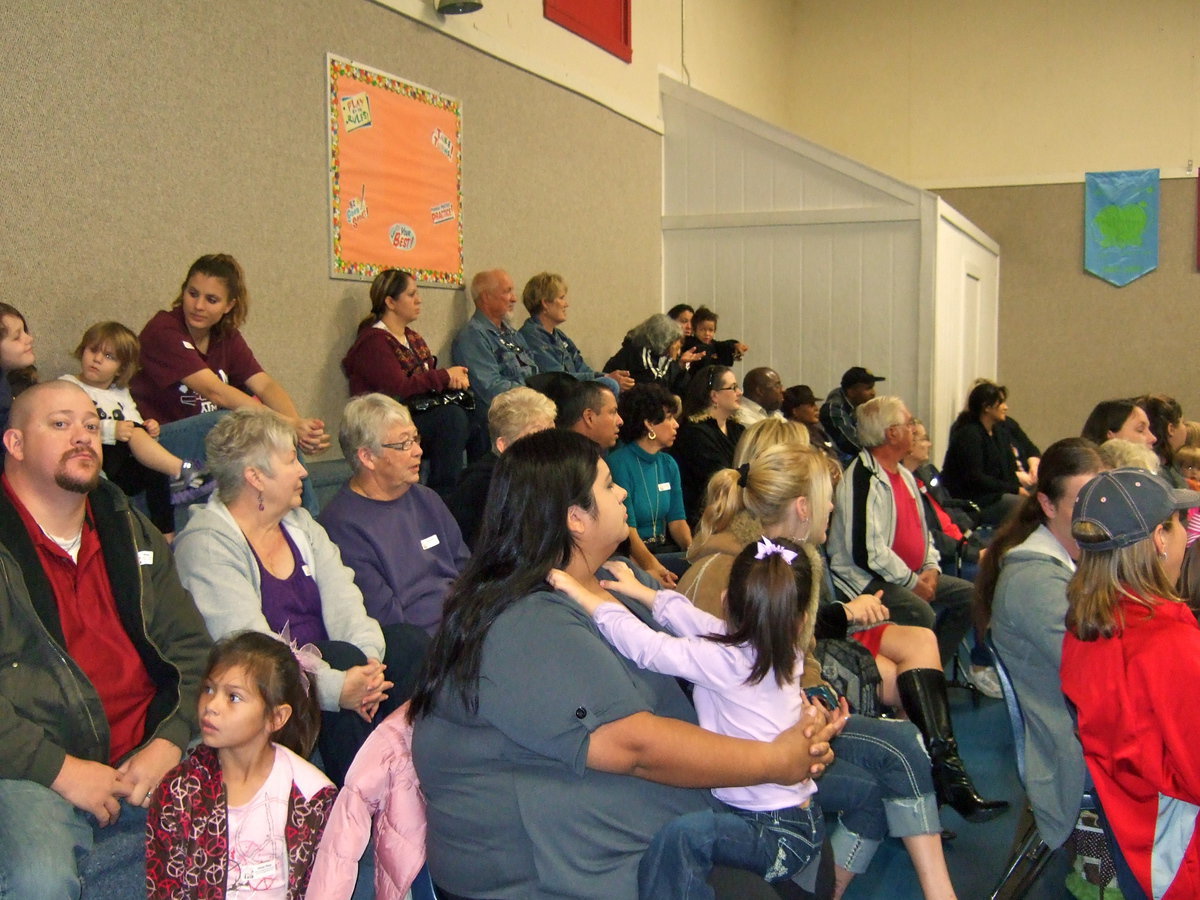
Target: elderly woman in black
x=651, y=353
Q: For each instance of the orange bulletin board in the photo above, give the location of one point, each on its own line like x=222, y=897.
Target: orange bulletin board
x=395, y=176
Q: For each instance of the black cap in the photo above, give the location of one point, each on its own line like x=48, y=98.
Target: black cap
x=859, y=375
x=802, y=395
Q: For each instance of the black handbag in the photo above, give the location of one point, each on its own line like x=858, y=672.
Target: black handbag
x=433, y=399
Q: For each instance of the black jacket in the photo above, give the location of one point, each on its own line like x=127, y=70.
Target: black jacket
x=48, y=707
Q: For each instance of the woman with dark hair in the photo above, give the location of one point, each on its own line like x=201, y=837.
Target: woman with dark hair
x=682, y=313
x=388, y=357
x=1166, y=424
x=194, y=361
x=548, y=761
x=708, y=434
x=989, y=461
x=1021, y=592
x=651, y=477
x=1122, y=419
x=1130, y=660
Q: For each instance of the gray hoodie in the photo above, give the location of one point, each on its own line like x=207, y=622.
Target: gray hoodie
x=1028, y=626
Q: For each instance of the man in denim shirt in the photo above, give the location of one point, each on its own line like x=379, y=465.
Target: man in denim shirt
x=493, y=352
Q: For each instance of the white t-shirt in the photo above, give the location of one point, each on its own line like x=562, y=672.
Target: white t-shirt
x=113, y=405
x=257, y=831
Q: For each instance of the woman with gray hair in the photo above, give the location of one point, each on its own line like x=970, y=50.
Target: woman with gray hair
x=651, y=353
x=397, y=535
x=254, y=560
x=512, y=415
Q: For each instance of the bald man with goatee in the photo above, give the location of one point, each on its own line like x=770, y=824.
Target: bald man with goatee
x=103, y=654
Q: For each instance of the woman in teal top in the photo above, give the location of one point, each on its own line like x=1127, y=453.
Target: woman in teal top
x=655, y=501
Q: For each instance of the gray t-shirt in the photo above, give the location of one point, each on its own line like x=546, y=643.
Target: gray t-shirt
x=513, y=810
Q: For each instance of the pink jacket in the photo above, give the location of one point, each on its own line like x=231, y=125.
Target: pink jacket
x=381, y=786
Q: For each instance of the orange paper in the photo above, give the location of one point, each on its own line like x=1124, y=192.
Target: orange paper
x=395, y=176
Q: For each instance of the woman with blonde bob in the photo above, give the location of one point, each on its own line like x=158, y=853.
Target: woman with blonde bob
x=785, y=491
x=1130, y=658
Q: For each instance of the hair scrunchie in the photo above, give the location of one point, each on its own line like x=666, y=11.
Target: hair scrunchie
x=743, y=473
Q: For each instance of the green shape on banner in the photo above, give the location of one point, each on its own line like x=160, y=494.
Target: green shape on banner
x=1122, y=226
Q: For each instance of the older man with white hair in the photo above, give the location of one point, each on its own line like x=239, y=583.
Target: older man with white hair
x=878, y=539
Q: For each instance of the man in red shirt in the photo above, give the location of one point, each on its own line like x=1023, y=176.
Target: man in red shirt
x=878, y=541
x=102, y=655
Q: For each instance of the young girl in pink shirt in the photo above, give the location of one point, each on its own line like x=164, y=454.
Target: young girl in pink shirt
x=746, y=671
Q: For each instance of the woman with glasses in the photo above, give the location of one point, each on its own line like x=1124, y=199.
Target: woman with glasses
x=390, y=358
x=708, y=433
x=254, y=560
x=397, y=535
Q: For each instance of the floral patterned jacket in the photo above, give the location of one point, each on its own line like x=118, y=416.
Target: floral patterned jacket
x=187, y=843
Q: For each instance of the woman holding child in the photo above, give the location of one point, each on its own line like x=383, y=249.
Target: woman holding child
x=548, y=760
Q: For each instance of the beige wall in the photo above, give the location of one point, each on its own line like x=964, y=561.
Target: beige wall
x=946, y=93
x=737, y=51
x=1068, y=339
x=141, y=135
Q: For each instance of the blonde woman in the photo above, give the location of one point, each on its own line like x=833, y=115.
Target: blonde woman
x=1130, y=659
x=785, y=492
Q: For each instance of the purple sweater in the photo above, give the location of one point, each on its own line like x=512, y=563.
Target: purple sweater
x=724, y=702
x=404, y=552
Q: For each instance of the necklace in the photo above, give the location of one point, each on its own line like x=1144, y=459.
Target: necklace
x=655, y=536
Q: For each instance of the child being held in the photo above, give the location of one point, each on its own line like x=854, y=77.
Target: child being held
x=703, y=341
x=746, y=672
x=241, y=817
x=133, y=458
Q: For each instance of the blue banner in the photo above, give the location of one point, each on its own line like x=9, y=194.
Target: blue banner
x=1120, y=224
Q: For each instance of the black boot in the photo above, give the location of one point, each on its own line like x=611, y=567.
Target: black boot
x=923, y=695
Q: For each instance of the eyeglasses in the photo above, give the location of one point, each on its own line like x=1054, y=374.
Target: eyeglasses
x=731, y=387
x=403, y=445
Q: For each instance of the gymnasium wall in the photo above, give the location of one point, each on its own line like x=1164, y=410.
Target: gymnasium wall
x=139, y=136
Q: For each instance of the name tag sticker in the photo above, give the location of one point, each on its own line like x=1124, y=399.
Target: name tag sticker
x=145, y=557
x=664, y=486
x=306, y=570
x=430, y=542
x=258, y=871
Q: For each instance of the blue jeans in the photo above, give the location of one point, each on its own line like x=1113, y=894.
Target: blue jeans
x=775, y=845
x=49, y=850
x=185, y=438
x=880, y=783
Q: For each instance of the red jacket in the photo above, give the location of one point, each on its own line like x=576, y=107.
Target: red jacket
x=1138, y=722
x=187, y=851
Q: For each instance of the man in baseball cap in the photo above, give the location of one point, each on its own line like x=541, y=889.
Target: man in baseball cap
x=837, y=415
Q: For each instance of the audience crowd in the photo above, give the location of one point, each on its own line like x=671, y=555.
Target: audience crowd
x=474, y=562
